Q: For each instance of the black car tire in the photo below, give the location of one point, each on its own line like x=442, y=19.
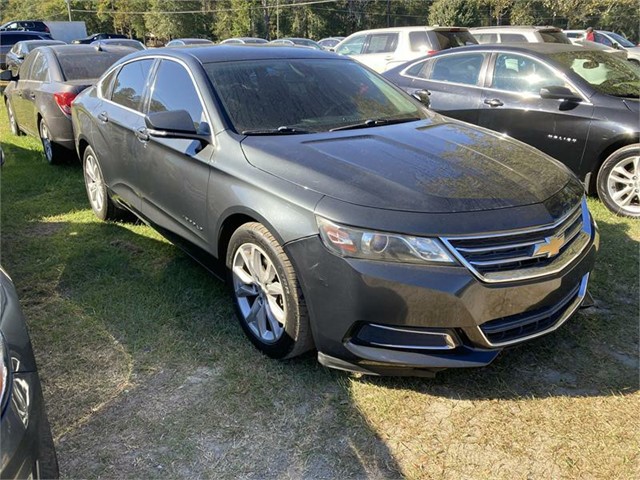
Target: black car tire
x=612, y=179
x=97, y=193
x=53, y=153
x=13, y=124
x=292, y=336
x=47, y=459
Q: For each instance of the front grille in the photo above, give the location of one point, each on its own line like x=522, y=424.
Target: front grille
x=524, y=325
x=527, y=253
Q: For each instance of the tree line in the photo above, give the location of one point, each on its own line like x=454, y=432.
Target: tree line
x=161, y=20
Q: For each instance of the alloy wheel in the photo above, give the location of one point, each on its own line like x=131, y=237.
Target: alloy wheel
x=94, y=181
x=623, y=184
x=259, y=293
x=46, y=142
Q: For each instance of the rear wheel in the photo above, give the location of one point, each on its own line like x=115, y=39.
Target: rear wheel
x=266, y=293
x=619, y=181
x=101, y=204
x=52, y=152
x=13, y=124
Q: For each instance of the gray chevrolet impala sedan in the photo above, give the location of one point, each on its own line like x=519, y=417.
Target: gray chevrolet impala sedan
x=346, y=216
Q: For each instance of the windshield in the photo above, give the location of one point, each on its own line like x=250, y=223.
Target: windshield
x=603, y=72
x=76, y=66
x=623, y=42
x=306, y=95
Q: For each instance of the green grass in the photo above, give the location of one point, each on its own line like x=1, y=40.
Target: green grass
x=146, y=372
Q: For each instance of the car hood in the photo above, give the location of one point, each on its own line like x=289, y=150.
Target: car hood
x=632, y=104
x=430, y=166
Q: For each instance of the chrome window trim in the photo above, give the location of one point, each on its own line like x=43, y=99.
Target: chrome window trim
x=568, y=313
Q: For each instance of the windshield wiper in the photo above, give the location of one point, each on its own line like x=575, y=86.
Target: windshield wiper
x=282, y=130
x=375, y=122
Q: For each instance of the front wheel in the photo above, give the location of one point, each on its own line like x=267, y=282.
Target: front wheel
x=619, y=181
x=101, y=204
x=266, y=293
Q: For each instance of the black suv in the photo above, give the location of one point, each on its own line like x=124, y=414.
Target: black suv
x=30, y=25
x=578, y=105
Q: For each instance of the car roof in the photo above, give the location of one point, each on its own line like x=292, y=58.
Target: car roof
x=78, y=49
x=23, y=32
x=522, y=28
x=238, y=52
x=543, y=48
x=48, y=41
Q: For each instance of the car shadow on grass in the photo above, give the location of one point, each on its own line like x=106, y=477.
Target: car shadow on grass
x=148, y=374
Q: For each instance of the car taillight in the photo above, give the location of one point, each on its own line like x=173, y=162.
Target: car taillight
x=46, y=29
x=64, y=101
x=431, y=52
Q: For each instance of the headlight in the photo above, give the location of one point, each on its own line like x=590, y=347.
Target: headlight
x=385, y=247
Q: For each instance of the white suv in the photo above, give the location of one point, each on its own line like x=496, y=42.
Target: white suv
x=516, y=34
x=384, y=48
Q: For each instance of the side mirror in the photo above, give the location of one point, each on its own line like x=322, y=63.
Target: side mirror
x=173, y=124
x=559, y=93
x=423, y=97
x=7, y=76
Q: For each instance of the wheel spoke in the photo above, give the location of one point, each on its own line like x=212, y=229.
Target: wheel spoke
x=275, y=310
x=622, y=172
x=274, y=322
x=261, y=317
x=252, y=318
x=246, y=290
x=621, y=193
x=619, y=179
x=628, y=199
x=242, y=275
x=247, y=258
x=275, y=289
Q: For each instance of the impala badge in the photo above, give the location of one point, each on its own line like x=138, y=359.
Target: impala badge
x=549, y=248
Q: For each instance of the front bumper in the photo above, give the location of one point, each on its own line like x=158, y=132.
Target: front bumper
x=437, y=317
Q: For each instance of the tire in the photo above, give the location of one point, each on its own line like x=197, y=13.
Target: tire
x=47, y=459
x=618, y=181
x=101, y=204
x=267, y=298
x=13, y=124
x=53, y=153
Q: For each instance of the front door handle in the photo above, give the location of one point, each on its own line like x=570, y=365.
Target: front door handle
x=493, y=102
x=103, y=117
x=32, y=95
x=142, y=134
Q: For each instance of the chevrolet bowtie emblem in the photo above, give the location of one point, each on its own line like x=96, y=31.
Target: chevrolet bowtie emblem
x=549, y=248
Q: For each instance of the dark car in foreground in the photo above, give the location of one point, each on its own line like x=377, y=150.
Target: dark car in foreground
x=39, y=99
x=27, y=449
x=578, y=105
x=20, y=50
x=9, y=38
x=345, y=215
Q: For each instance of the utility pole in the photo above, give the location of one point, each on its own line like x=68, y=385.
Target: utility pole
x=388, y=13
x=277, y=18
x=69, y=8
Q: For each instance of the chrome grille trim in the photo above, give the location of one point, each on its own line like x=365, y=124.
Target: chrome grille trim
x=569, y=311
x=576, y=227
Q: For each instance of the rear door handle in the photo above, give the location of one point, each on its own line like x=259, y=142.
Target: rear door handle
x=103, y=117
x=493, y=102
x=32, y=95
x=142, y=134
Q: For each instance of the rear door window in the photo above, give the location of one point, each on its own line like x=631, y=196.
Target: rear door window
x=382, y=43
x=353, y=46
x=26, y=67
x=554, y=37
x=486, y=37
x=166, y=98
x=512, y=38
x=40, y=68
x=419, y=41
x=130, y=83
x=83, y=66
x=603, y=40
x=462, y=68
